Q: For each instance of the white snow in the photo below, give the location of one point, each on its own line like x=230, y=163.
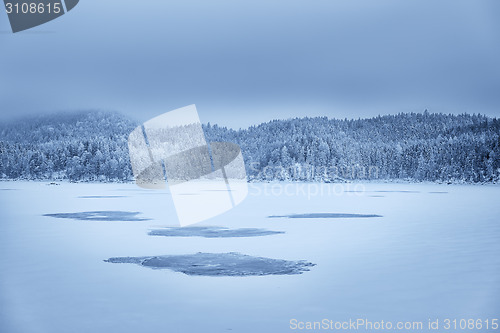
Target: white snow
x=433, y=253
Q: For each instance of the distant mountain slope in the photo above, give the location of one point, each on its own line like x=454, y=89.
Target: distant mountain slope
x=88, y=146
x=92, y=146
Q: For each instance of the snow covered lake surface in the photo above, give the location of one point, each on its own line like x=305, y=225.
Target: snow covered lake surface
x=72, y=258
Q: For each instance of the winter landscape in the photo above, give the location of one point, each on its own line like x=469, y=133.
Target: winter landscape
x=344, y=220
x=250, y=166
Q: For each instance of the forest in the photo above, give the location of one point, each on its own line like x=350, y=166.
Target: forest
x=92, y=146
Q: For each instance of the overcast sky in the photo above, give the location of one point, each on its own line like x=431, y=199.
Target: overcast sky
x=244, y=62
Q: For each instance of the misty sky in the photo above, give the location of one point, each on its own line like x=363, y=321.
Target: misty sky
x=244, y=62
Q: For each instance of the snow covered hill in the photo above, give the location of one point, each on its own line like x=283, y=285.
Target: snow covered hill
x=92, y=146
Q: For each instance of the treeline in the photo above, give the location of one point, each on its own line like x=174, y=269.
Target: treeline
x=92, y=146
x=410, y=146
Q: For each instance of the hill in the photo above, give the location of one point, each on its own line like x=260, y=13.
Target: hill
x=92, y=146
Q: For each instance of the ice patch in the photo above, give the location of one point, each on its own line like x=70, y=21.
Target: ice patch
x=383, y=191
x=101, y=196
x=324, y=216
x=107, y=215
x=219, y=264
x=403, y=191
x=212, y=232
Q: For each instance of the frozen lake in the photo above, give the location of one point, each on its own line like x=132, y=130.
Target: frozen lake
x=392, y=252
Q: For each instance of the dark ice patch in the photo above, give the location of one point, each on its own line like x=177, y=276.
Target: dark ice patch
x=130, y=190
x=219, y=264
x=217, y=190
x=324, y=216
x=212, y=232
x=107, y=215
x=101, y=196
x=142, y=191
x=438, y=192
x=153, y=193
x=383, y=191
x=397, y=191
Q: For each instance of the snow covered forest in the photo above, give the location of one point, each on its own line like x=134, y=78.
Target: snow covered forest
x=92, y=146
